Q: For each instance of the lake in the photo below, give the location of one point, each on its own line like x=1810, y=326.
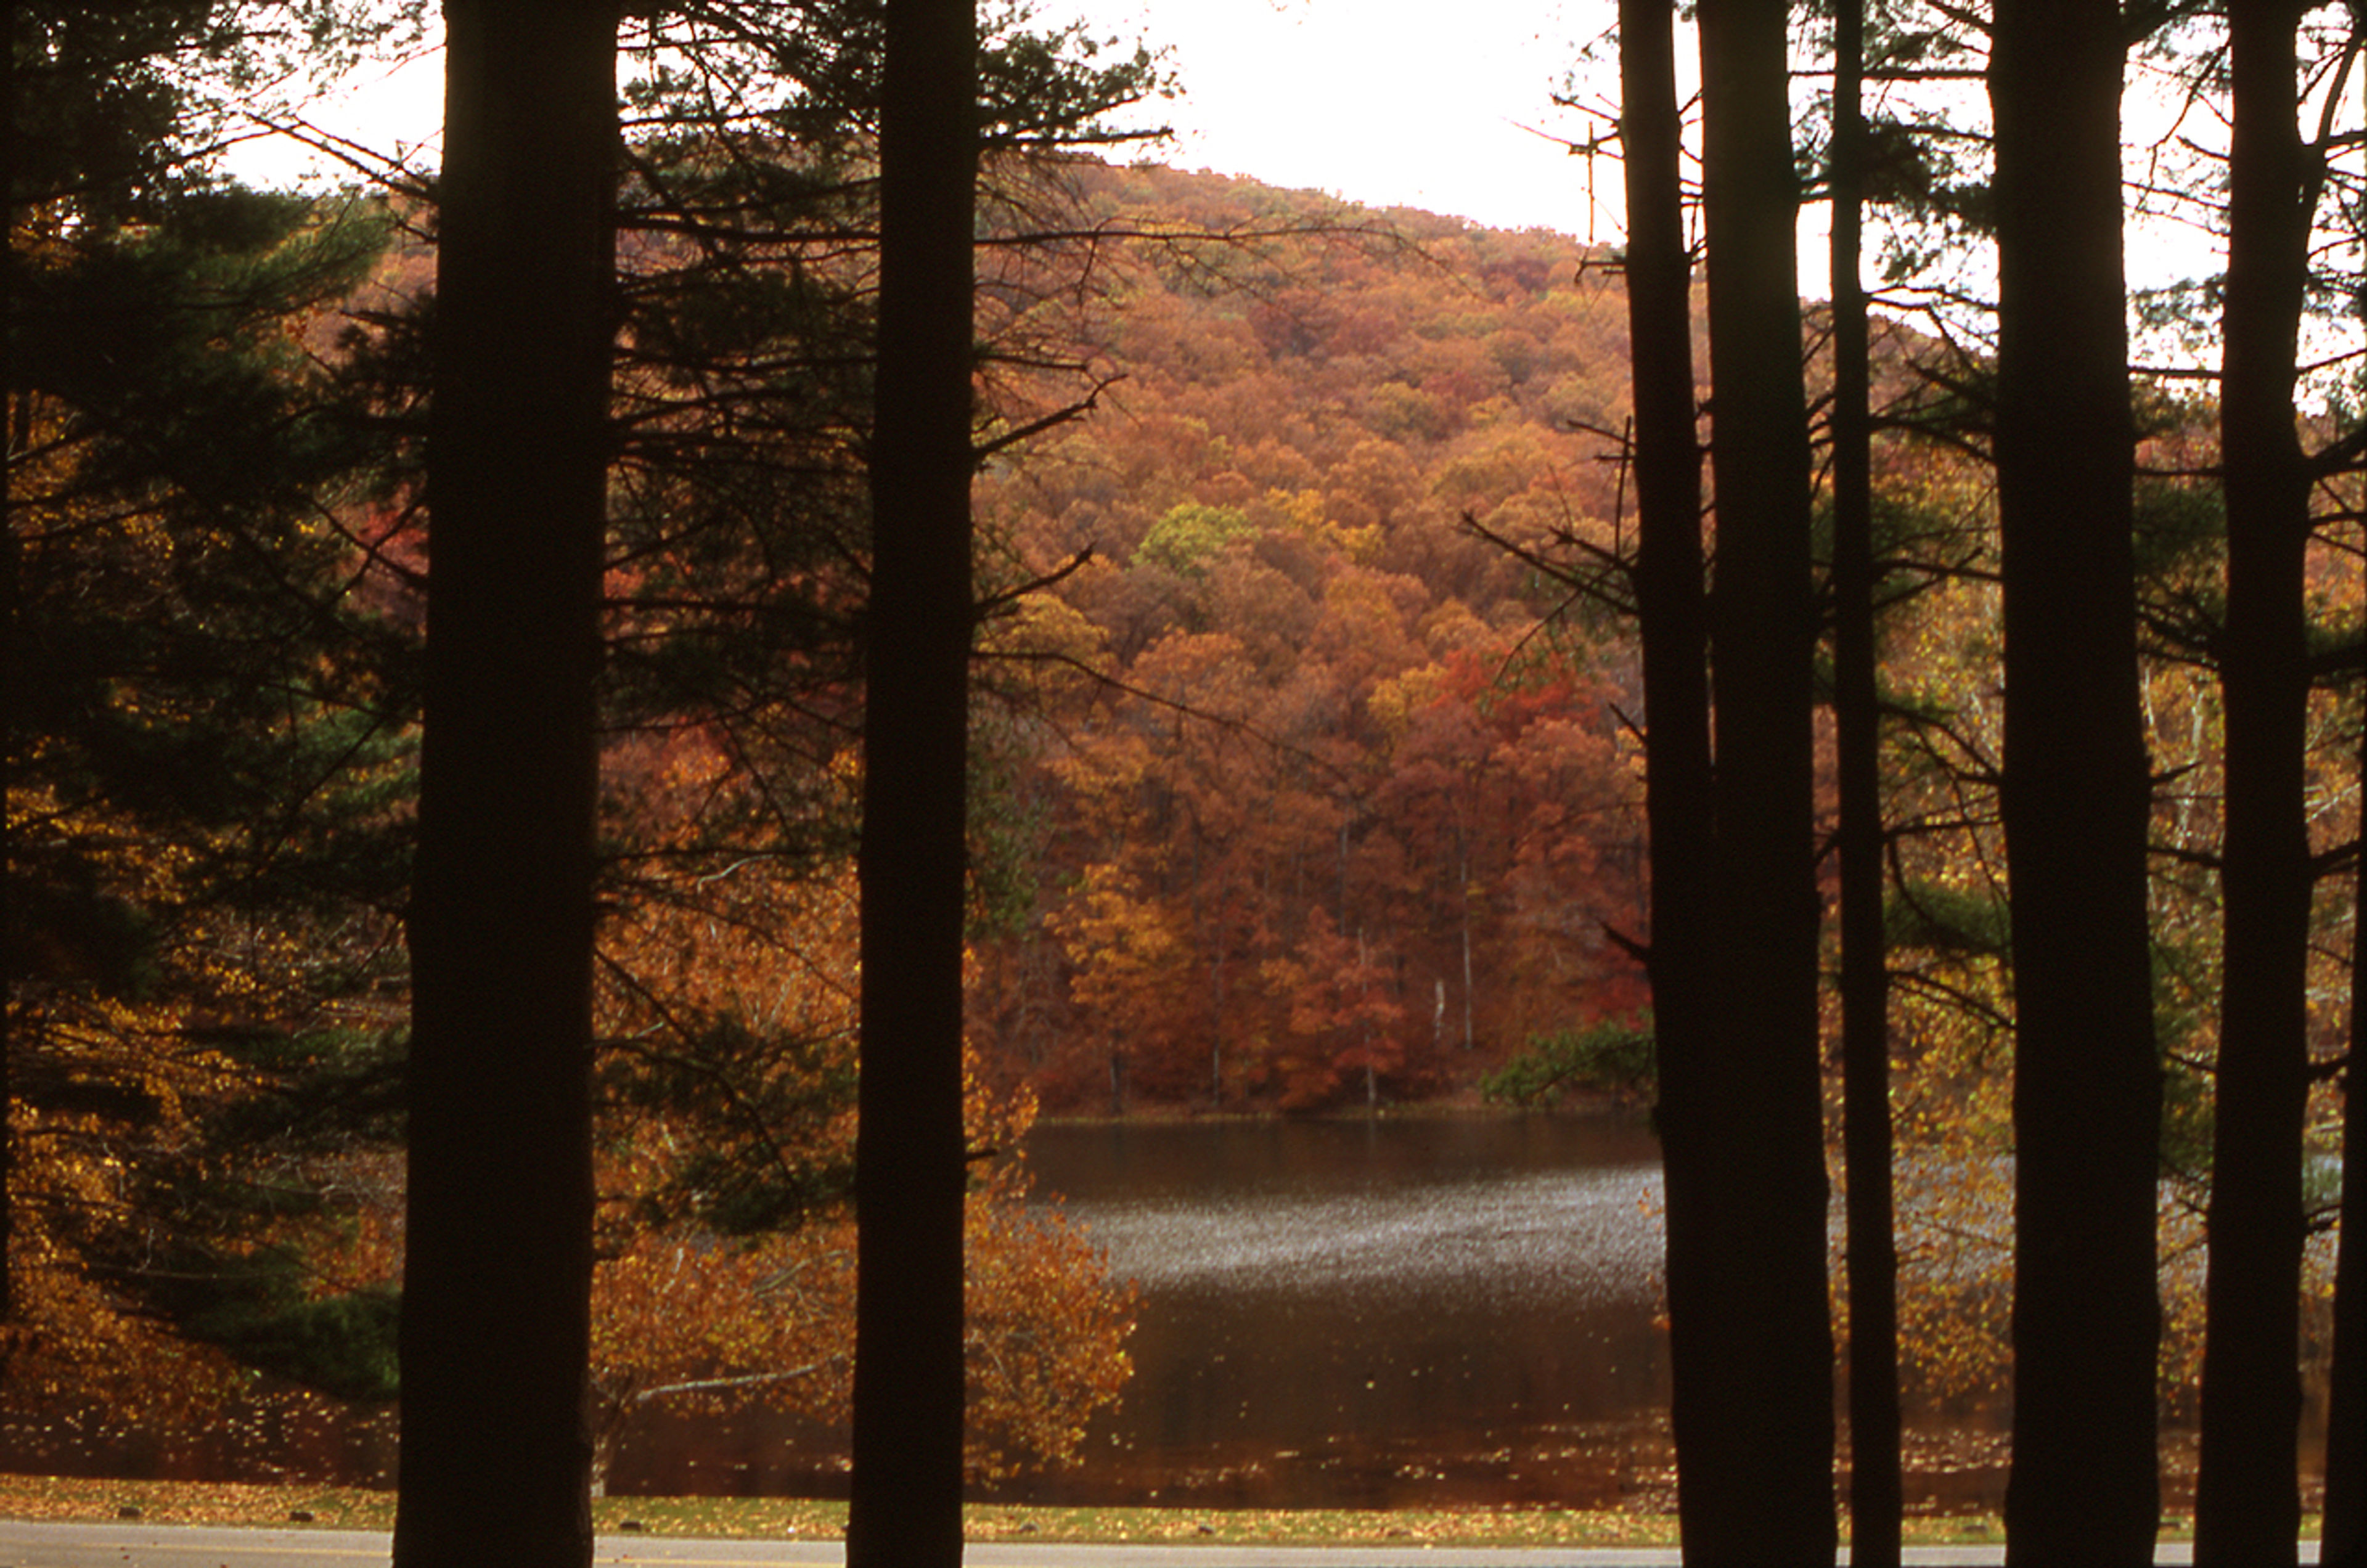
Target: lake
x=1400, y=1313
x=1373, y=1313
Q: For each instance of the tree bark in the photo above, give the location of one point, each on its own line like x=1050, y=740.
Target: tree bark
x=496, y=1320
x=1672, y=613
x=1876, y=1489
x=10, y=673
x=2343, y=1538
x=1742, y=1113
x=905, y=1506
x=2086, y=1105
x=2246, y=1503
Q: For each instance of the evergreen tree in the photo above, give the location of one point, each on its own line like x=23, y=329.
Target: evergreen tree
x=905, y=1507
x=2087, y=1101
x=201, y=761
x=1876, y=1500
x=496, y=1453
x=2248, y=1507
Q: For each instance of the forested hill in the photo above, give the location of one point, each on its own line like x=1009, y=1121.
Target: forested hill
x=1304, y=792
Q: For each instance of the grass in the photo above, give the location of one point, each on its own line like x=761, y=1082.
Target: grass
x=785, y=1518
x=194, y=1503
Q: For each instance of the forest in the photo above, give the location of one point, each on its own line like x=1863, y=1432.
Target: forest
x=703, y=663
x=1321, y=794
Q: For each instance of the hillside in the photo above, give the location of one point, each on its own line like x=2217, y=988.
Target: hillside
x=1309, y=793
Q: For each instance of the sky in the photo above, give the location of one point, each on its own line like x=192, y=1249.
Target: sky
x=1446, y=107
x=1385, y=102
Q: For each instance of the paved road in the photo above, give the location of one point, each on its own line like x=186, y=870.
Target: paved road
x=169, y=1546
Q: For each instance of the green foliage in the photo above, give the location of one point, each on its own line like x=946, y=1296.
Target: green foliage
x=1058, y=86
x=205, y=790
x=318, y=1090
x=1968, y=922
x=1614, y=1057
x=768, y=1106
x=2185, y=1011
x=343, y=1346
x=1191, y=536
x=2180, y=529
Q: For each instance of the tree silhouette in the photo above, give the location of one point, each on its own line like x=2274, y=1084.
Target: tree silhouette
x=1742, y=1123
x=496, y=1454
x=1876, y=1486
x=2087, y=1098
x=905, y=1506
x=2248, y=1504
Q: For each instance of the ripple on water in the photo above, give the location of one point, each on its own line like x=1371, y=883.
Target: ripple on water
x=1590, y=1235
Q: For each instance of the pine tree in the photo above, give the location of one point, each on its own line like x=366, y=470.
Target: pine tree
x=2087, y=1101
x=496, y=1454
x=2247, y=1507
x=1876, y=1499
x=196, y=768
x=904, y=1510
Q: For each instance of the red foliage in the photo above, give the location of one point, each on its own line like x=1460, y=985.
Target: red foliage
x=1343, y=824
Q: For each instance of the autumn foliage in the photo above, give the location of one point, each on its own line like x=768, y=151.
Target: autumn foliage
x=1297, y=789
x=1311, y=810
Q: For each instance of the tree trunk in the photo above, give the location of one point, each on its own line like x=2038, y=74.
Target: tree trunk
x=10, y=673
x=1751, y=1370
x=1876, y=1490
x=2087, y=1104
x=2343, y=1539
x=1751, y=1329
x=1463, y=910
x=1672, y=611
x=498, y=1258
x=2247, y=1501
x=1216, y=1009
x=905, y=1509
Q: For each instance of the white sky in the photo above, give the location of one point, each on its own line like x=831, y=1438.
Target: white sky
x=1385, y=102
x=1444, y=106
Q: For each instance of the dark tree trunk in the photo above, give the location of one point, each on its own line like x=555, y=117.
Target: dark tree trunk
x=2343, y=1538
x=1876, y=1490
x=495, y=1319
x=1668, y=562
x=905, y=1507
x=2086, y=1105
x=1674, y=632
x=1743, y=1123
x=1673, y=617
x=9, y=675
x=2247, y=1501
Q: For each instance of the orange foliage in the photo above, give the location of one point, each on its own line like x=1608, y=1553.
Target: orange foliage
x=739, y=971
x=1334, y=820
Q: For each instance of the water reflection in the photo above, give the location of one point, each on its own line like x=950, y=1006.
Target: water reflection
x=1394, y=1313
x=1378, y=1313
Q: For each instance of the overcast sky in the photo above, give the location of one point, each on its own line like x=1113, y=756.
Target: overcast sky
x=1387, y=102
x=1443, y=105
x=1407, y=103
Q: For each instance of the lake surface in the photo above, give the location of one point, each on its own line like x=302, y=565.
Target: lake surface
x=1358, y=1314
x=1403, y=1313
x=1376, y=1314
